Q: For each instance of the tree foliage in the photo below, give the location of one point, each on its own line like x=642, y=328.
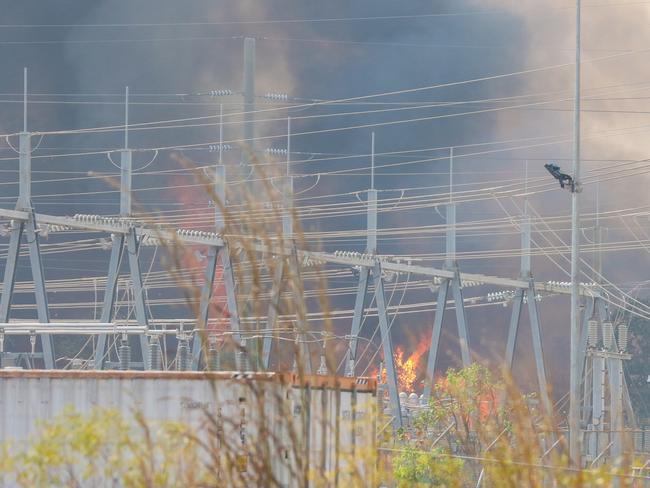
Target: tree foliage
x=104, y=449
x=421, y=468
x=477, y=427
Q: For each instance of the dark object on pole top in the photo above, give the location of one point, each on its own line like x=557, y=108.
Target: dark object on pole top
x=564, y=179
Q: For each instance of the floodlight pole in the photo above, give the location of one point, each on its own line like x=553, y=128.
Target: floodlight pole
x=575, y=437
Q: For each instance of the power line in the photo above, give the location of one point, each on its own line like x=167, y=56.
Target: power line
x=308, y=20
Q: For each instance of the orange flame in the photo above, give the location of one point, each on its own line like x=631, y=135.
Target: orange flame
x=405, y=371
x=488, y=401
x=408, y=369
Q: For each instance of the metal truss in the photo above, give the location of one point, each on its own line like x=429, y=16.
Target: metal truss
x=127, y=235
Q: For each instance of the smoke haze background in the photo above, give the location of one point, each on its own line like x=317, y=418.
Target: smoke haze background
x=446, y=41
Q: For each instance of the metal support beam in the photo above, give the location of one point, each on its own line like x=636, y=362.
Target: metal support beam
x=364, y=272
x=126, y=166
x=287, y=217
x=10, y=270
x=109, y=295
x=461, y=320
x=204, y=306
x=317, y=256
x=453, y=281
x=301, y=309
x=525, y=273
x=132, y=247
x=525, y=246
x=387, y=344
x=220, y=195
x=287, y=236
x=24, y=172
x=538, y=350
x=248, y=89
x=40, y=293
x=441, y=304
x=128, y=240
x=287, y=193
x=231, y=293
x=371, y=246
x=357, y=318
x=513, y=331
x=589, y=307
x=450, y=245
x=28, y=226
x=213, y=252
x=274, y=308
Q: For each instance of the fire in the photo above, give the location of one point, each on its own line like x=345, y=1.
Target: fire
x=409, y=368
x=486, y=402
x=405, y=371
x=374, y=373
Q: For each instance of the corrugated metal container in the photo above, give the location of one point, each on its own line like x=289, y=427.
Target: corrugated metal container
x=330, y=418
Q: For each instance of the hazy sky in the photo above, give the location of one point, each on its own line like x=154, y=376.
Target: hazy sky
x=87, y=52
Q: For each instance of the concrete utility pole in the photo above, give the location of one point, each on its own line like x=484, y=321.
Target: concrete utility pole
x=575, y=436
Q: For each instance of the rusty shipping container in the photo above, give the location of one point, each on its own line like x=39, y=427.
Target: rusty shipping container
x=330, y=418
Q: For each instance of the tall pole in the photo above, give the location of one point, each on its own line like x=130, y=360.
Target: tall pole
x=125, y=164
x=25, y=158
x=525, y=234
x=126, y=118
x=451, y=174
x=451, y=217
x=249, y=104
x=575, y=437
x=25, y=99
x=221, y=133
x=220, y=180
x=287, y=220
x=526, y=188
x=598, y=240
x=372, y=161
x=288, y=146
x=371, y=247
